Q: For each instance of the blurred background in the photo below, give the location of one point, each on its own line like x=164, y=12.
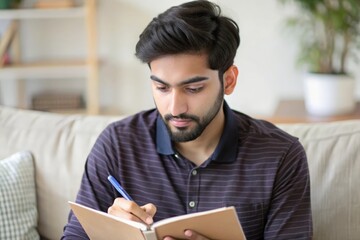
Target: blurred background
x=266, y=57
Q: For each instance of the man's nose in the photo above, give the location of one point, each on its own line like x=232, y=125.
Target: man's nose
x=178, y=103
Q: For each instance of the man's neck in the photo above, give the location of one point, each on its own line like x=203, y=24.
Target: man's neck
x=200, y=149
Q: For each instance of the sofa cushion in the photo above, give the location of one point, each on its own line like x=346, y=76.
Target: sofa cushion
x=18, y=210
x=60, y=144
x=333, y=151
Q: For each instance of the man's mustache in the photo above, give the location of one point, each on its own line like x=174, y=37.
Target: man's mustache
x=184, y=116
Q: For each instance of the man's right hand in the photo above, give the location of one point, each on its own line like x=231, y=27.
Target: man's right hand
x=130, y=210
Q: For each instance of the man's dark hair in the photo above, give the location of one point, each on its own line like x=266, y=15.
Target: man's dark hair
x=192, y=27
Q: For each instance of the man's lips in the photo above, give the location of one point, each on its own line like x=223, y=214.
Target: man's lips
x=180, y=122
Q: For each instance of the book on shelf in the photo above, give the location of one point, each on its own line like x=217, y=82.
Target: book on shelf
x=54, y=3
x=48, y=101
x=5, y=41
x=220, y=223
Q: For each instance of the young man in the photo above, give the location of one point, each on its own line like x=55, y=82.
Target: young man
x=193, y=153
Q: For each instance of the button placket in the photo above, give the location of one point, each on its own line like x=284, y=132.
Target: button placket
x=194, y=183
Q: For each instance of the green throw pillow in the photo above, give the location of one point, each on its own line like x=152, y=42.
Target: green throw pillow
x=18, y=211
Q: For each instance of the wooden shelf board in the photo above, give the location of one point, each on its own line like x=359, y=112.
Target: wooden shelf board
x=45, y=70
x=294, y=111
x=84, y=111
x=69, y=111
x=33, y=13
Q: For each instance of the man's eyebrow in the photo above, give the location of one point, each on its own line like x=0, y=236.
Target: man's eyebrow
x=187, y=81
x=156, y=79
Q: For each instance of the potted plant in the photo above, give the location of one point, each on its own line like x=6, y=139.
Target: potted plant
x=329, y=32
x=7, y=4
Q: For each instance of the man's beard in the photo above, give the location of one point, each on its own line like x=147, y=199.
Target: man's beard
x=183, y=134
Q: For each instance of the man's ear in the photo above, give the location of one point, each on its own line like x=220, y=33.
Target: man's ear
x=230, y=78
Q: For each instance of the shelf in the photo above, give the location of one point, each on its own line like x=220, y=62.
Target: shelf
x=87, y=68
x=81, y=111
x=32, y=13
x=41, y=70
x=294, y=111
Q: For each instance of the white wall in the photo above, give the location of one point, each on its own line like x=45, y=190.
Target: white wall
x=266, y=57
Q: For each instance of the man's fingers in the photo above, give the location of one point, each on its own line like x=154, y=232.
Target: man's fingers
x=130, y=210
x=123, y=208
x=149, y=209
x=194, y=235
x=189, y=234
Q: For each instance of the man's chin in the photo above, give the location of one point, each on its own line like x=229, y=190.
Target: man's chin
x=180, y=139
x=183, y=136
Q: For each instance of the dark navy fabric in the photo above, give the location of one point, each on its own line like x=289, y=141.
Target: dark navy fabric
x=256, y=167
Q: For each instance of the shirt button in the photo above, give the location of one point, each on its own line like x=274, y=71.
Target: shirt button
x=191, y=204
x=177, y=156
x=194, y=172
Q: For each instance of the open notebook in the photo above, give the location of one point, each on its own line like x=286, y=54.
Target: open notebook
x=221, y=223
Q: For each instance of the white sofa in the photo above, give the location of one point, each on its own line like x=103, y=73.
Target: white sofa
x=60, y=144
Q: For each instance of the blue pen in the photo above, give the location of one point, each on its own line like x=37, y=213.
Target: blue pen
x=119, y=188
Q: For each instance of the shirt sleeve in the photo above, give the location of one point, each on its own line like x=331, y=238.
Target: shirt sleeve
x=95, y=191
x=289, y=216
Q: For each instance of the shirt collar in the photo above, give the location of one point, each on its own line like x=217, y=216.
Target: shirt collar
x=225, y=151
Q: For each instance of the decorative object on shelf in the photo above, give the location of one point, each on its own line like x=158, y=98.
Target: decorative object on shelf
x=329, y=94
x=52, y=101
x=54, y=4
x=8, y=4
x=5, y=41
x=329, y=35
x=5, y=4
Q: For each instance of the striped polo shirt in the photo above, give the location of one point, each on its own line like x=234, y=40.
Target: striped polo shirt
x=256, y=167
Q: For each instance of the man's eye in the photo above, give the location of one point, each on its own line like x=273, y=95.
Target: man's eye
x=162, y=88
x=194, y=90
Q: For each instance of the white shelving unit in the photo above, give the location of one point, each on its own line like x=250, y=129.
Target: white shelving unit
x=29, y=13
x=84, y=68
